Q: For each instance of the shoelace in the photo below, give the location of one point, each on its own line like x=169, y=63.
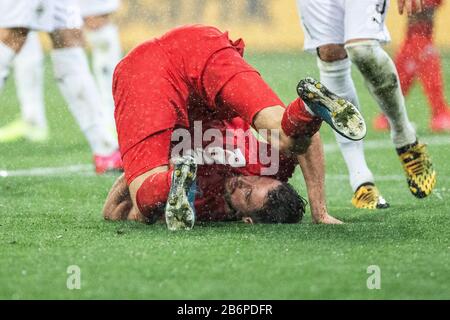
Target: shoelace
x=369, y=196
x=415, y=160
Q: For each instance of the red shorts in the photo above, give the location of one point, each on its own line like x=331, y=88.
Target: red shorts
x=431, y=3
x=154, y=150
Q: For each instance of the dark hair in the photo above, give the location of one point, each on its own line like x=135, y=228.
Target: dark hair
x=283, y=205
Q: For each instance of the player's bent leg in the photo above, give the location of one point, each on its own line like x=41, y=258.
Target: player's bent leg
x=103, y=37
x=78, y=87
x=155, y=186
x=29, y=76
x=171, y=190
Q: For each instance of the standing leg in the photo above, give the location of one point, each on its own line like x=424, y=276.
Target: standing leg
x=381, y=77
x=78, y=88
x=28, y=73
x=103, y=37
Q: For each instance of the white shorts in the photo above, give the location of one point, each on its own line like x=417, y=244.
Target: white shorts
x=98, y=7
x=42, y=15
x=337, y=21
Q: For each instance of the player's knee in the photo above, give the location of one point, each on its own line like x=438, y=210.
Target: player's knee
x=362, y=52
x=331, y=52
x=67, y=38
x=374, y=63
x=14, y=38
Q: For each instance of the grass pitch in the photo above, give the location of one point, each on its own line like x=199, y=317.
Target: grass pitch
x=50, y=222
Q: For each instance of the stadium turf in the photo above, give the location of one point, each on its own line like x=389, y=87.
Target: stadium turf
x=50, y=220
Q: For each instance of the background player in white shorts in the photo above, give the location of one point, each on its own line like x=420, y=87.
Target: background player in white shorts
x=62, y=20
x=345, y=31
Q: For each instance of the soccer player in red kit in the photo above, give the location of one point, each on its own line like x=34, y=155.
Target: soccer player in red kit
x=228, y=193
x=419, y=58
x=196, y=73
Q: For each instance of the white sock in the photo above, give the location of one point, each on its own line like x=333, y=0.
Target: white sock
x=337, y=77
x=28, y=73
x=106, y=53
x=381, y=77
x=77, y=85
x=6, y=56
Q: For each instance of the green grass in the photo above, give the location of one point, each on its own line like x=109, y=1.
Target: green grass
x=49, y=223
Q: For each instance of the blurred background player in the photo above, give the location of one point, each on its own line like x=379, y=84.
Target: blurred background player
x=62, y=20
x=419, y=58
x=29, y=79
x=103, y=37
x=346, y=31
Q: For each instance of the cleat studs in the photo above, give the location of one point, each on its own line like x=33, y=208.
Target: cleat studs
x=190, y=175
x=341, y=102
x=319, y=85
x=173, y=202
x=311, y=95
x=177, y=173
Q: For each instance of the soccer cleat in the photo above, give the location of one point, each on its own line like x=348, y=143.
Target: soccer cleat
x=339, y=113
x=110, y=163
x=381, y=123
x=367, y=196
x=180, y=210
x=441, y=122
x=36, y=134
x=420, y=174
x=20, y=129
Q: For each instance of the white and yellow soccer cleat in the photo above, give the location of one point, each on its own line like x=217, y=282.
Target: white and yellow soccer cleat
x=420, y=174
x=20, y=129
x=180, y=210
x=339, y=113
x=367, y=196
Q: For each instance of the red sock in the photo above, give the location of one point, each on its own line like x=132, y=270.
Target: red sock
x=153, y=193
x=297, y=121
x=419, y=57
x=406, y=63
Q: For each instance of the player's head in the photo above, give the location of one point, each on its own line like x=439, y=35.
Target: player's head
x=264, y=199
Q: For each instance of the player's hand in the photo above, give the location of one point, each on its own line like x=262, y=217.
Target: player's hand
x=412, y=6
x=326, y=219
x=118, y=203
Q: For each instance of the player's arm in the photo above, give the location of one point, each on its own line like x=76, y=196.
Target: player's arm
x=312, y=164
x=119, y=205
x=411, y=6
